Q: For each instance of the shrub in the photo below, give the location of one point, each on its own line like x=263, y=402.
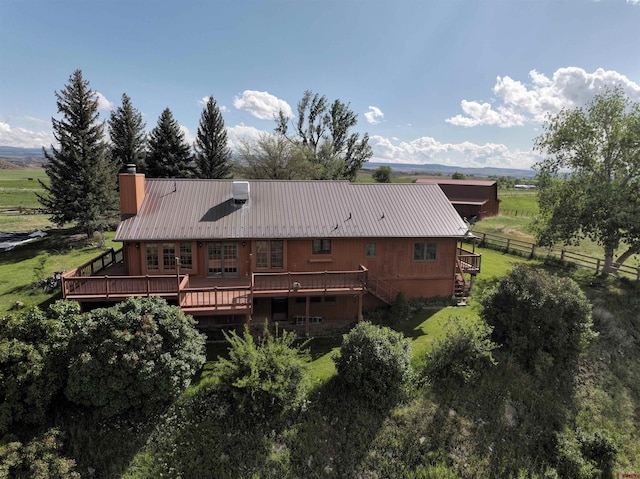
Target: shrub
x=264, y=378
x=400, y=308
x=39, y=459
x=373, y=362
x=544, y=321
x=33, y=357
x=462, y=355
x=137, y=355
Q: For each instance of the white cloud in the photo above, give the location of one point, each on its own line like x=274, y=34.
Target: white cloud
x=374, y=115
x=429, y=150
x=23, y=137
x=262, y=104
x=242, y=132
x=517, y=103
x=203, y=101
x=189, y=138
x=103, y=103
x=634, y=2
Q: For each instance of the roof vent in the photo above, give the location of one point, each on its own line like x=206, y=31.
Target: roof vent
x=131, y=168
x=240, y=192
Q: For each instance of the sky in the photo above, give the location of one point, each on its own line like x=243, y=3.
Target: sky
x=454, y=82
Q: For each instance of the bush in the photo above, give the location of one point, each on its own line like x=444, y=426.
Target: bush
x=264, y=378
x=400, y=308
x=461, y=356
x=33, y=359
x=39, y=459
x=135, y=356
x=373, y=362
x=544, y=321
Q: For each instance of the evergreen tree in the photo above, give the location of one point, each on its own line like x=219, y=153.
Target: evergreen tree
x=169, y=154
x=128, y=136
x=82, y=187
x=212, y=156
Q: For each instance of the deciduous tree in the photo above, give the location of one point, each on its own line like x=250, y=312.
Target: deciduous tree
x=128, y=136
x=589, y=183
x=322, y=131
x=82, y=175
x=169, y=153
x=272, y=157
x=212, y=155
x=382, y=174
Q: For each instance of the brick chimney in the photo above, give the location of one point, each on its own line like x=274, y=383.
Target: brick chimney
x=131, y=192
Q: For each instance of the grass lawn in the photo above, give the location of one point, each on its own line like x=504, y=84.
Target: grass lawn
x=26, y=264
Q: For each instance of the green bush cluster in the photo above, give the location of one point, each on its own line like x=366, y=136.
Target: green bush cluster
x=461, y=356
x=543, y=321
x=38, y=459
x=33, y=358
x=136, y=356
x=373, y=362
x=263, y=378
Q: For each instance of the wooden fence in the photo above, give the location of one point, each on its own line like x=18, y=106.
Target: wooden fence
x=531, y=250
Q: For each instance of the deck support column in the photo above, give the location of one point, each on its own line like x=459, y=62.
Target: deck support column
x=360, y=307
x=306, y=315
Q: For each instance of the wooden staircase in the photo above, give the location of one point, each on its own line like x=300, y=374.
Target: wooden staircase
x=381, y=289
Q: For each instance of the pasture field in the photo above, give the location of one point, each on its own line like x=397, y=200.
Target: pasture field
x=18, y=198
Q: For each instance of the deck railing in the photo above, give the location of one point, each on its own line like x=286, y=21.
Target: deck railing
x=113, y=287
x=316, y=281
x=106, y=259
x=469, y=261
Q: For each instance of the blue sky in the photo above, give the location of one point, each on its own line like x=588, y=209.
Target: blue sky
x=465, y=83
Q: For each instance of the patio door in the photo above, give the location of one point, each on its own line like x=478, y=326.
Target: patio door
x=222, y=259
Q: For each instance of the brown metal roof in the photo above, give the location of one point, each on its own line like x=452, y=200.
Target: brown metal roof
x=204, y=209
x=445, y=181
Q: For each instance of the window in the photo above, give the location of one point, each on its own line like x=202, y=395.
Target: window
x=269, y=254
x=168, y=256
x=151, y=255
x=370, y=250
x=186, y=256
x=321, y=246
x=424, y=251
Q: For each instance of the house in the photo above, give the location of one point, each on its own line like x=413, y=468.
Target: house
x=470, y=198
x=308, y=254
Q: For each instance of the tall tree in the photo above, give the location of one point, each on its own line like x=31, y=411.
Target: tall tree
x=598, y=199
x=322, y=131
x=169, y=153
x=272, y=157
x=212, y=156
x=128, y=136
x=82, y=187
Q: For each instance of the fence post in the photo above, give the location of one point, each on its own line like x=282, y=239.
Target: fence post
x=533, y=251
x=562, y=255
x=597, y=265
x=508, y=244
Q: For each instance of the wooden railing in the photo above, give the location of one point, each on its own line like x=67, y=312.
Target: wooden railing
x=316, y=281
x=106, y=259
x=469, y=262
x=381, y=289
x=112, y=287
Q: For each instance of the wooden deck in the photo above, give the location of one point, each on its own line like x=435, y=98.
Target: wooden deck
x=202, y=295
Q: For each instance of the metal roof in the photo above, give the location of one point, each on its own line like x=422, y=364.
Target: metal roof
x=445, y=181
x=204, y=209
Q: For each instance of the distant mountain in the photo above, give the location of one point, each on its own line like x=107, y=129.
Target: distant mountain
x=445, y=170
x=25, y=157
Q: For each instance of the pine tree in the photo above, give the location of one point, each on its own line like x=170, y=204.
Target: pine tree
x=128, y=137
x=212, y=154
x=169, y=154
x=82, y=187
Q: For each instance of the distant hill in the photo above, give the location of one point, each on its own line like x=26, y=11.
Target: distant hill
x=24, y=157
x=435, y=169
x=8, y=165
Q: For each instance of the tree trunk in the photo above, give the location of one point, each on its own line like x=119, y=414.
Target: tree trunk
x=626, y=255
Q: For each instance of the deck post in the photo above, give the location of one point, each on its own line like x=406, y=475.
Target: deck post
x=306, y=316
x=360, y=307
